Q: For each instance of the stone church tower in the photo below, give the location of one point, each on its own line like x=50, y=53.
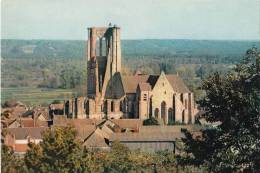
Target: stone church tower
x=104, y=60
x=113, y=95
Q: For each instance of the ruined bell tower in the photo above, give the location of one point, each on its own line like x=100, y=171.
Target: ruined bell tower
x=104, y=59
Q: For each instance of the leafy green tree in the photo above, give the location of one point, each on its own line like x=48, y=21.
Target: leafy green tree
x=141, y=161
x=11, y=163
x=233, y=101
x=118, y=159
x=58, y=152
x=150, y=121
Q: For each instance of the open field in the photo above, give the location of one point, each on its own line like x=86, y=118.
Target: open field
x=35, y=96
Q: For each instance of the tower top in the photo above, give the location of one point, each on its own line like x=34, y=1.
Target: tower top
x=104, y=28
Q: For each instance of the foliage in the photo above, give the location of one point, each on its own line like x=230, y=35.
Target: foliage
x=175, y=123
x=10, y=163
x=56, y=102
x=234, y=101
x=118, y=158
x=58, y=152
x=150, y=121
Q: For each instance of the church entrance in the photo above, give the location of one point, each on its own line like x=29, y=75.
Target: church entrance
x=171, y=116
x=163, y=111
x=156, y=113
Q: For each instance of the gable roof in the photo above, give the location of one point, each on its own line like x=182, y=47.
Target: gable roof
x=23, y=133
x=177, y=83
x=128, y=123
x=144, y=86
x=84, y=132
x=60, y=120
x=154, y=133
x=137, y=137
x=96, y=139
x=130, y=83
x=152, y=80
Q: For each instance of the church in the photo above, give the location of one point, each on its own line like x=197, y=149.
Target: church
x=139, y=96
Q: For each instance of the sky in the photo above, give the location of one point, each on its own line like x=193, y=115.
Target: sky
x=138, y=19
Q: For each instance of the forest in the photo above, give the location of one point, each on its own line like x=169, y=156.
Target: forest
x=58, y=68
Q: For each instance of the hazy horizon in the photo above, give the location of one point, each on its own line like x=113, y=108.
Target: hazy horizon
x=235, y=20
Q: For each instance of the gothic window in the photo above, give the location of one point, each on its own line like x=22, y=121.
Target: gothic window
x=87, y=108
x=121, y=106
x=150, y=108
x=163, y=110
x=185, y=103
x=105, y=106
x=182, y=98
x=183, y=117
x=171, y=117
x=156, y=113
x=112, y=106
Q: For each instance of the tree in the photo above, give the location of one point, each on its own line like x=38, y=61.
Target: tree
x=118, y=159
x=58, y=152
x=150, y=121
x=11, y=163
x=233, y=100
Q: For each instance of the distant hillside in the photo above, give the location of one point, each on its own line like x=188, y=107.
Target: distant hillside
x=76, y=49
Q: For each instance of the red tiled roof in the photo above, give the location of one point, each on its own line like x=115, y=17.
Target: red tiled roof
x=155, y=133
x=23, y=133
x=177, y=84
x=130, y=83
x=144, y=86
x=128, y=123
x=21, y=147
x=97, y=139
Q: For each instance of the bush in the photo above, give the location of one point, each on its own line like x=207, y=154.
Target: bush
x=150, y=121
x=170, y=123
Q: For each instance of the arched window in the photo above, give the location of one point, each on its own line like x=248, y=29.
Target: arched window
x=150, y=108
x=105, y=106
x=163, y=111
x=181, y=97
x=186, y=104
x=182, y=117
x=121, y=106
x=171, y=117
x=156, y=113
x=112, y=106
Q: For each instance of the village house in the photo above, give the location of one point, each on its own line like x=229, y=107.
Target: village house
x=19, y=138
